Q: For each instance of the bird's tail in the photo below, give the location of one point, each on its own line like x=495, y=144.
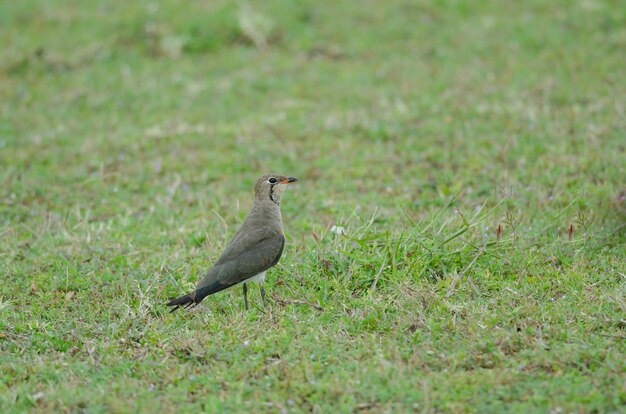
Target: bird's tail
x=186, y=302
x=195, y=297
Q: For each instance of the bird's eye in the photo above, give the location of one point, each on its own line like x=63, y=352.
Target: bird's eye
x=272, y=180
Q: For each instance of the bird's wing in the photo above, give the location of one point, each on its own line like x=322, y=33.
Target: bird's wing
x=254, y=252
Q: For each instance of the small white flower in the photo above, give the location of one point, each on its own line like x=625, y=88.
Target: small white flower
x=338, y=230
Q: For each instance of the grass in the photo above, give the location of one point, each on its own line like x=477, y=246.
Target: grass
x=472, y=151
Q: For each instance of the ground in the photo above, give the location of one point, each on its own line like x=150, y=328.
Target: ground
x=455, y=243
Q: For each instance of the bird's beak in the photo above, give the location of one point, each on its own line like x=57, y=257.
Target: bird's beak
x=289, y=180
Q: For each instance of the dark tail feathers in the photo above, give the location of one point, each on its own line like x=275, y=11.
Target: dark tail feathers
x=184, y=301
x=192, y=299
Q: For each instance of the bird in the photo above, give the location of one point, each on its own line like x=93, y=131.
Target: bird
x=257, y=246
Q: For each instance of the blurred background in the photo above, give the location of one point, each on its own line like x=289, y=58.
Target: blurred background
x=376, y=104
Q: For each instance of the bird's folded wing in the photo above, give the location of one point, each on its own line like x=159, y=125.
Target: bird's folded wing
x=252, y=253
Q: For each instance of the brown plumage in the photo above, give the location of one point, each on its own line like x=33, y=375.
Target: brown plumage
x=256, y=247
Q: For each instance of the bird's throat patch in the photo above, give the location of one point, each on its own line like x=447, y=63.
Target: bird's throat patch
x=272, y=195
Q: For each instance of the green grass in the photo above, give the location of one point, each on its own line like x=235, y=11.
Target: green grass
x=131, y=134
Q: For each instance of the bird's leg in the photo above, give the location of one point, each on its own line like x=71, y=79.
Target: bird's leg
x=263, y=292
x=245, y=295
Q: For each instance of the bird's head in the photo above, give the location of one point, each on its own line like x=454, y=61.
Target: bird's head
x=271, y=187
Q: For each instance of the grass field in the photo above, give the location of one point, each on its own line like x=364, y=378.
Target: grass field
x=474, y=153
